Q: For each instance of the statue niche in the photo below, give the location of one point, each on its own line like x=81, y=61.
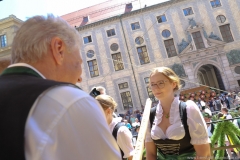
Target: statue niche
x=182, y=46
x=215, y=37
x=192, y=23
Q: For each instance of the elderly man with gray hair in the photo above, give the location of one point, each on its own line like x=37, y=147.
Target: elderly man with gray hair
x=43, y=114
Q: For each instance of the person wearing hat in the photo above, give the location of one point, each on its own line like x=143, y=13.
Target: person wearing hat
x=207, y=115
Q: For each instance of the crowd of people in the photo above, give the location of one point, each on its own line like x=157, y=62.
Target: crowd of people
x=46, y=116
x=224, y=100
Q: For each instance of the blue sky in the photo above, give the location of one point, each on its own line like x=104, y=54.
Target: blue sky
x=28, y=8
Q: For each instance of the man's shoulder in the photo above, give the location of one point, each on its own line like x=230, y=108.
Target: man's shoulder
x=66, y=93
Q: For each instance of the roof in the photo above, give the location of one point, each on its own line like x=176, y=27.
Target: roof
x=100, y=11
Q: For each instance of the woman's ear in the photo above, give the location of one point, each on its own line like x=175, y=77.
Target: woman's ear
x=174, y=85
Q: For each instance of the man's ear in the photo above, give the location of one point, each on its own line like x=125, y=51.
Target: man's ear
x=57, y=48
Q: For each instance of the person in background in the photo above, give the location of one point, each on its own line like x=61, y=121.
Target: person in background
x=120, y=132
x=237, y=99
x=176, y=129
x=136, y=123
x=217, y=103
x=210, y=127
x=44, y=115
x=127, y=124
x=225, y=112
x=132, y=119
x=211, y=104
x=101, y=89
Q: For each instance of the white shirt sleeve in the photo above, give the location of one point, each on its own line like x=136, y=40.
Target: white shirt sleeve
x=124, y=140
x=66, y=123
x=235, y=123
x=196, y=124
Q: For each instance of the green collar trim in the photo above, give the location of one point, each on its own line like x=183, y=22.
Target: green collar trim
x=20, y=70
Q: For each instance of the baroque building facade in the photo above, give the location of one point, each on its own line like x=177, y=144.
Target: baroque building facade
x=8, y=27
x=198, y=39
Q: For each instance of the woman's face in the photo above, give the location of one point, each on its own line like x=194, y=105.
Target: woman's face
x=161, y=86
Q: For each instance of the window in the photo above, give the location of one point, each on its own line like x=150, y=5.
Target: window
x=123, y=85
x=111, y=32
x=143, y=55
x=170, y=48
x=221, y=19
x=161, y=18
x=166, y=33
x=90, y=53
x=85, y=19
x=146, y=80
x=150, y=95
x=126, y=100
x=197, y=37
x=226, y=33
x=114, y=47
x=139, y=40
x=135, y=26
x=87, y=39
x=188, y=11
x=215, y=3
x=3, y=39
x=117, y=61
x=93, y=68
x=129, y=5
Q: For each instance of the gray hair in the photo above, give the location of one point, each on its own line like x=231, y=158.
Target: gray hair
x=33, y=38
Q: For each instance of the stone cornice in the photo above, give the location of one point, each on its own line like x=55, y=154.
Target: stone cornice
x=10, y=18
x=146, y=9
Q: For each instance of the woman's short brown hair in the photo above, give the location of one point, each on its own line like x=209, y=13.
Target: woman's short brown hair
x=106, y=102
x=170, y=74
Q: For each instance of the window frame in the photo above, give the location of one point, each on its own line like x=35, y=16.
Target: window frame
x=146, y=82
x=142, y=54
x=196, y=40
x=135, y=26
x=88, y=39
x=150, y=94
x=161, y=18
x=93, y=75
x=167, y=40
x=214, y=1
x=188, y=12
x=224, y=37
x=85, y=19
x=108, y=32
x=128, y=103
x=3, y=40
x=124, y=85
x=117, y=63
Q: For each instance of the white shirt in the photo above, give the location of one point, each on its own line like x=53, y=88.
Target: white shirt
x=195, y=121
x=209, y=130
x=134, y=124
x=228, y=116
x=124, y=138
x=66, y=123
